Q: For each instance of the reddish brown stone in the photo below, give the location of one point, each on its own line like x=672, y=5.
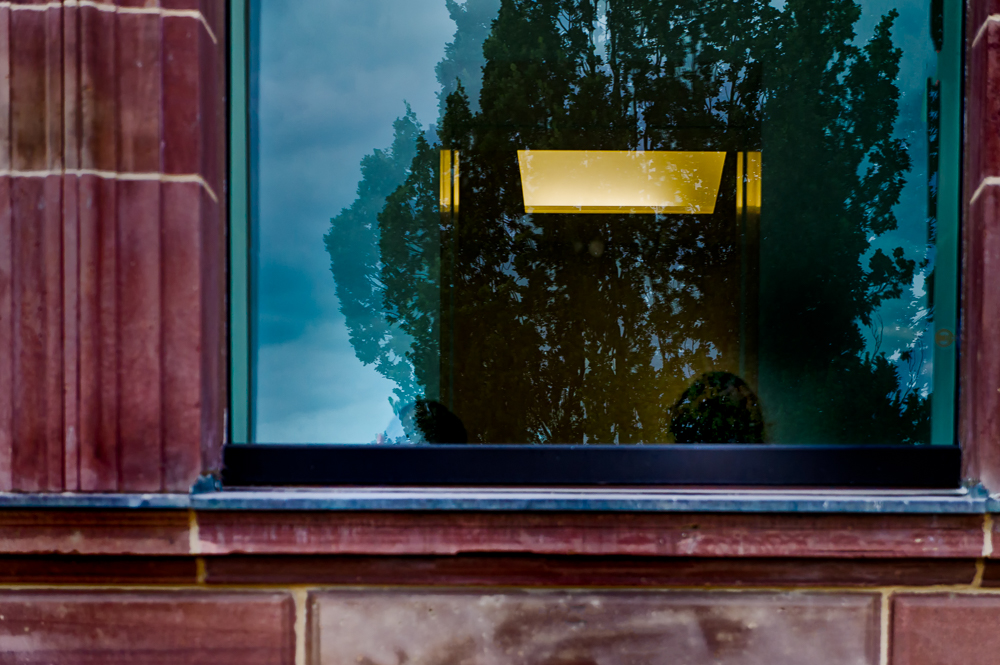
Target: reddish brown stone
x=181, y=79
x=215, y=14
x=215, y=339
x=99, y=379
x=71, y=249
x=210, y=22
x=71, y=111
x=182, y=333
x=980, y=399
x=105, y=570
x=139, y=92
x=588, y=628
x=52, y=285
x=5, y=145
x=982, y=153
x=94, y=532
x=53, y=88
x=31, y=323
x=7, y=391
x=71, y=332
x=991, y=574
x=98, y=86
x=28, y=103
x=943, y=629
x=637, y=534
x=152, y=628
x=81, y=276
x=977, y=14
x=139, y=336
x=183, y=4
x=582, y=571
x=213, y=108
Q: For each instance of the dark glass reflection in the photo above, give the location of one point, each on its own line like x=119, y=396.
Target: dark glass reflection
x=605, y=328
x=752, y=321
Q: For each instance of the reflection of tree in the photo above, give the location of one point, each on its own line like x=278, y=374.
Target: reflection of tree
x=833, y=176
x=569, y=328
x=356, y=261
x=463, y=57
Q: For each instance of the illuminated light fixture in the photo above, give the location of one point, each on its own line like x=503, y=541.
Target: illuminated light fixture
x=752, y=182
x=620, y=181
x=449, y=182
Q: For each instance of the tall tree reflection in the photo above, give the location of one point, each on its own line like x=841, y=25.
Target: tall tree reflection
x=590, y=328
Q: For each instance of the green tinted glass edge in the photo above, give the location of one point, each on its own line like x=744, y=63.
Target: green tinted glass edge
x=239, y=277
x=947, y=251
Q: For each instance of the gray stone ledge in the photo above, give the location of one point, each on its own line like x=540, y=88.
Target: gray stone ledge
x=610, y=500
x=11, y=500
x=960, y=501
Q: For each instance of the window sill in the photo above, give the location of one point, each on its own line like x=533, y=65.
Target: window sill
x=431, y=522
x=961, y=501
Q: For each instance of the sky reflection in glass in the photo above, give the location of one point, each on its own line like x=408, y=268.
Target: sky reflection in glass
x=609, y=328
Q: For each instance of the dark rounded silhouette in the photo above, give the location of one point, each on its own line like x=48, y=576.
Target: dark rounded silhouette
x=427, y=421
x=719, y=407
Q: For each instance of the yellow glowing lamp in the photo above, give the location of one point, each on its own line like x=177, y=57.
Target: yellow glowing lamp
x=620, y=181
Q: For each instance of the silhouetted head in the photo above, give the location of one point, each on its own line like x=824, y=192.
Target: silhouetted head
x=427, y=421
x=718, y=407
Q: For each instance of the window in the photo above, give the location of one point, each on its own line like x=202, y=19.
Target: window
x=595, y=241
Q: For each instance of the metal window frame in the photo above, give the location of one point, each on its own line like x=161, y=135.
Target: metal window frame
x=254, y=465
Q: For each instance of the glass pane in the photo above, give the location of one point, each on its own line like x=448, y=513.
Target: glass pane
x=593, y=221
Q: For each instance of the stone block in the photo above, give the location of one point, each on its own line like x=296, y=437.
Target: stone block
x=580, y=628
x=94, y=532
x=945, y=630
x=152, y=628
x=585, y=571
x=597, y=534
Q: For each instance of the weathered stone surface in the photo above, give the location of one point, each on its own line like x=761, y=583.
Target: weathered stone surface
x=945, y=630
x=585, y=571
x=567, y=628
x=599, y=534
x=94, y=532
x=162, y=628
x=88, y=367
x=980, y=424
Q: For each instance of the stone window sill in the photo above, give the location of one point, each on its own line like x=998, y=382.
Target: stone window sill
x=960, y=501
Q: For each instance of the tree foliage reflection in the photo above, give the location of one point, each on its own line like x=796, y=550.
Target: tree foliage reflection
x=591, y=328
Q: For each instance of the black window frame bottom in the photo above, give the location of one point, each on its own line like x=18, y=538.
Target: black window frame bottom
x=788, y=466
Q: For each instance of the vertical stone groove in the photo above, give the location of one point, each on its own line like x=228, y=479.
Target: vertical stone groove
x=103, y=382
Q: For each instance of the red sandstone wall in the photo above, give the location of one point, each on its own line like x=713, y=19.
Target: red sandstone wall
x=112, y=204
x=386, y=589
x=388, y=627
x=980, y=363
x=112, y=244
x=111, y=362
